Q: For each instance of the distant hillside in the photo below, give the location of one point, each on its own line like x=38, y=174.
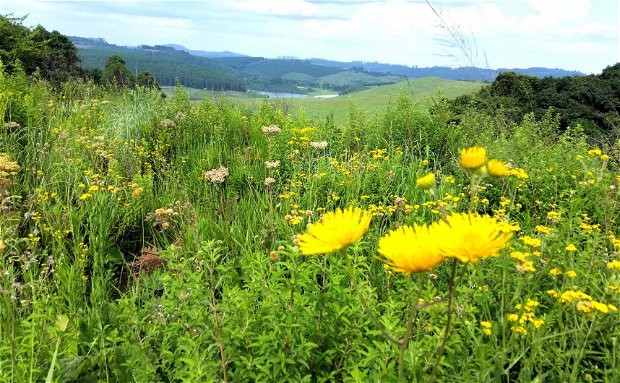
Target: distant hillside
x=165, y=63
x=208, y=54
x=234, y=71
x=463, y=73
x=227, y=71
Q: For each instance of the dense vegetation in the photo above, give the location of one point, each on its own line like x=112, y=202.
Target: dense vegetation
x=150, y=239
x=166, y=64
x=156, y=239
x=230, y=73
x=50, y=54
x=591, y=101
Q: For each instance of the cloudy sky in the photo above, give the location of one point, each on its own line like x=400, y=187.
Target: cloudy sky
x=579, y=35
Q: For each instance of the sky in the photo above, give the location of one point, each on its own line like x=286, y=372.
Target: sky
x=581, y=35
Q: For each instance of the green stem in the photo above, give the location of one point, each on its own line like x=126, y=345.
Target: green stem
x=413, y=312
x=50, y=372
x=367, y=309
x=473, y=189
x=446, y=334
x=575, y=371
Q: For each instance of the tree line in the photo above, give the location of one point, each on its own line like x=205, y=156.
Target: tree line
x=168, y=66
x=592, y=101
x=53, y=57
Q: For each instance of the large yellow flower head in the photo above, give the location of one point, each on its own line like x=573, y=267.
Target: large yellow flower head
x=473, y=158
x=336, y=230
x=410, y=249
x=471, y=237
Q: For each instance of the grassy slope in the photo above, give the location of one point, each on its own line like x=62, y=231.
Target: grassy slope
x=377, y=98
x=373, y=99
x=351, y=78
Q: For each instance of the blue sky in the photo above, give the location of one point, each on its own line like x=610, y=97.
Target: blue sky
x=579, y=35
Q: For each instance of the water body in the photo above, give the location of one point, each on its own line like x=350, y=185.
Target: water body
x=282, y=94
x=293, y=95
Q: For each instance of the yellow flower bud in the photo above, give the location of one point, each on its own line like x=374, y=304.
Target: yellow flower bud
x=497, y=168
x=426, y=182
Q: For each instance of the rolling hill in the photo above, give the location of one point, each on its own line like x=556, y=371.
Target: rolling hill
x=374, y=98
x=233, y=71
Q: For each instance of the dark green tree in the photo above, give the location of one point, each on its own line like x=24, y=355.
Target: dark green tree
x=16, y=43
x=50, y=55
x=60, y=61
x=147, y=80
x=115, y=73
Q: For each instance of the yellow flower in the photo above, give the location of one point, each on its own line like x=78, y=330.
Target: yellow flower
x=470, y=237
x=613, y=265
x=531, y=241
x=85, y=196
x=136, y=193
x=543, y=229
x=570, y=247
x=93, y=188
x=497, y=168
x=410, y=249
x=336, y=230
x=426, y=182
x=519, y=173
x=602, y=307
x=571, y=274
x=473, y=158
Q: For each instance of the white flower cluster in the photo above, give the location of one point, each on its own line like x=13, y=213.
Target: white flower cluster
x=217, y=176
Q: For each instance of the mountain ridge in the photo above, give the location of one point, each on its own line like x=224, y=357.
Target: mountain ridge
x=171, y=62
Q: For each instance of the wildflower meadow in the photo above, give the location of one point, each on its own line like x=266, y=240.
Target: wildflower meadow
x=151, y=239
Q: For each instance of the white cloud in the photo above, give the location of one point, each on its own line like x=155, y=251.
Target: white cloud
x=570, y=33
x=278, y=7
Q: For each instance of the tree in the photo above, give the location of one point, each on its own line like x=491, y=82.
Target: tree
x=16, y=44
x=115, y=73
x=60, y=61
x=49, y=54
x=147, y=80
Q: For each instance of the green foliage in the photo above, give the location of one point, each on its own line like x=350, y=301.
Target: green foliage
x=147, y=80
x=116, y=73
x=122, y=261
x=590, y=101
x=49, y=54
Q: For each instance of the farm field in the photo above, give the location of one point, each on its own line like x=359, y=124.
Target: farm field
x=150, y=239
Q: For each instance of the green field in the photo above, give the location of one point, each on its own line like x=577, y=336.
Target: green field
x=379, y=97
x=150, y=239
x=370, y=100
